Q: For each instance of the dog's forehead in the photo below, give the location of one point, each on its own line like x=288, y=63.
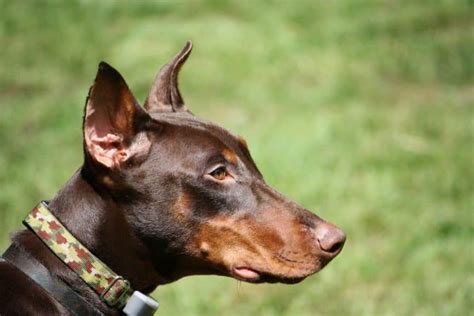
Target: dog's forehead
x=188, y=121
x=227, y=143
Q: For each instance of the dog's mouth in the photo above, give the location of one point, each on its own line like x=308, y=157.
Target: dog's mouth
x=251, y=275
x=246, y=274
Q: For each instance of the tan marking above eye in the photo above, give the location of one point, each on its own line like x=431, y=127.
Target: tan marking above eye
x=230, y=156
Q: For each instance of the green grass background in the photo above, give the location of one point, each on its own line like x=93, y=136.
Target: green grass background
x=362, y=111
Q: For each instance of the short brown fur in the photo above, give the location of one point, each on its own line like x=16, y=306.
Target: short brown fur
x=163, y=194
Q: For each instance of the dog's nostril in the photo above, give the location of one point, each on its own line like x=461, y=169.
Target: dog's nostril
x=336, y=247
x=331, y=239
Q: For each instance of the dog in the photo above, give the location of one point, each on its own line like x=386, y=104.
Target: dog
x=161, y=195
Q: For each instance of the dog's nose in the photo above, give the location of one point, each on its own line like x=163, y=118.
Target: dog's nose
x=330, y=238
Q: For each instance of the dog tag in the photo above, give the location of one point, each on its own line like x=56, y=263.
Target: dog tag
x=140, y=304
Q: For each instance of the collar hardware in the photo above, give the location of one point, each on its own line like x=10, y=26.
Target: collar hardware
x=115, y=292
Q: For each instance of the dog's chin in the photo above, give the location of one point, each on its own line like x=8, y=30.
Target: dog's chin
x=251, y=275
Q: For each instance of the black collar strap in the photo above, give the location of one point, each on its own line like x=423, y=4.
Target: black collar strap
x=39, y=274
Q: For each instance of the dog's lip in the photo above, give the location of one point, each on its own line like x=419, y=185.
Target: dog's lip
x=251, y=274
x=245, y=273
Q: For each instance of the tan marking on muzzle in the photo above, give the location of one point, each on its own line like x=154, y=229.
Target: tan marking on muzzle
x=272, y=246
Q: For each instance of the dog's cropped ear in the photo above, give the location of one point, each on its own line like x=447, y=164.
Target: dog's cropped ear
x=111, y=120
x=164, y=96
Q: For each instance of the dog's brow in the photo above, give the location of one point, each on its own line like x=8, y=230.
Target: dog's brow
x=230, y=156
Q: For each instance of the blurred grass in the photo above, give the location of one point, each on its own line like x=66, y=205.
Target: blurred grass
x=361, y=110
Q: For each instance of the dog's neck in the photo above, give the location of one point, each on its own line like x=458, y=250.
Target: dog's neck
x=100, y=224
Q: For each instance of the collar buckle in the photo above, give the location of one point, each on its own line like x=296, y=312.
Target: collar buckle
x=116, y=291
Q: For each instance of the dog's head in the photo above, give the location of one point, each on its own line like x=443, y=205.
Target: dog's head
x=190, y=190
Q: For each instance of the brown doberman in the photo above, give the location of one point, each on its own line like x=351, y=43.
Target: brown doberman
x=163, y=194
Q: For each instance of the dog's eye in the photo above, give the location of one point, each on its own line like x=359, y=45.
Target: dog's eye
x=220, y=173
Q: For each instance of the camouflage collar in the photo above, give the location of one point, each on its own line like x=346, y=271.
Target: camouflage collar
x=113, y=289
